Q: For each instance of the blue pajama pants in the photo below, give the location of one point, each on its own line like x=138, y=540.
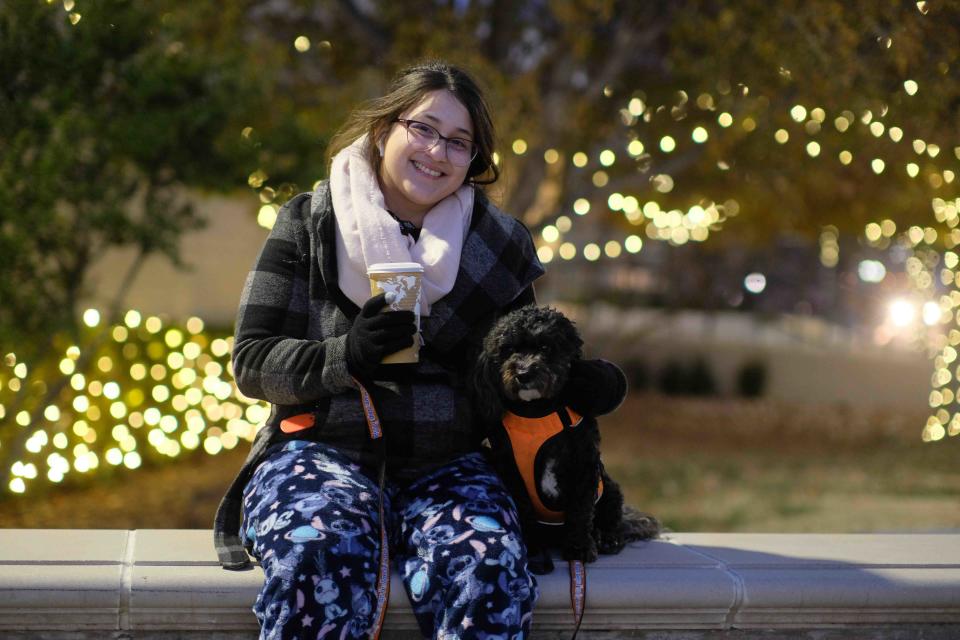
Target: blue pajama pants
x=311, y=518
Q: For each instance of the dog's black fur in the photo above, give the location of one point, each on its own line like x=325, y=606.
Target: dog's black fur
x=529, y=352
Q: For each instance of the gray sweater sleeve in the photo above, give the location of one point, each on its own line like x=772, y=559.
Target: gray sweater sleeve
x=272, y=358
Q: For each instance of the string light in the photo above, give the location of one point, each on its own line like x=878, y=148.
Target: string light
x=126, y=414
x=91, y=317
x=267, y=216
x=302, y=44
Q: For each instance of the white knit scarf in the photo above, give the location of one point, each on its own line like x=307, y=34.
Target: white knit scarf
x=368, y=234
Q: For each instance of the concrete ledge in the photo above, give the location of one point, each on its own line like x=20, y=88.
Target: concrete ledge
x=166, y=583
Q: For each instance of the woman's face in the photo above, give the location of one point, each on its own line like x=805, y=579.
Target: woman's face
x=412, y=179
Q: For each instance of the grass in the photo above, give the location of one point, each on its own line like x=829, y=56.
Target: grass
x=730, y=465
x=698, y=464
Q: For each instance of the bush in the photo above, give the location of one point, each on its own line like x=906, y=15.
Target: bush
x=752, y=379
x=672, y=379
x=638, y=377
x=679, y=379
x=700, y=380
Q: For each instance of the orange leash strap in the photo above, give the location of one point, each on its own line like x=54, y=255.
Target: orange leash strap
x=578, y=593
x=383, y=576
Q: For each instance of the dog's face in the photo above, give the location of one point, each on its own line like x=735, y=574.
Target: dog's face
x=529, y=352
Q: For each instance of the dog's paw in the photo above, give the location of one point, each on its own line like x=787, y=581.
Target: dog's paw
x=637, y=525
x=609, y=543
x=541, y=565
x=538, y=559
x=580, y=551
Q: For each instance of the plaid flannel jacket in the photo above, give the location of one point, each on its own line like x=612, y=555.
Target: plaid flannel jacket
x=290, y=348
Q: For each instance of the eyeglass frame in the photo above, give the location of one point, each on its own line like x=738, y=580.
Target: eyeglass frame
x=406, y=122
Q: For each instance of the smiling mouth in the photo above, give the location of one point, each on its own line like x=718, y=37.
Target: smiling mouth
x=426, y=170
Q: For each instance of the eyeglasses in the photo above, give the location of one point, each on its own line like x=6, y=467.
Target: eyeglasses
x=460, y=151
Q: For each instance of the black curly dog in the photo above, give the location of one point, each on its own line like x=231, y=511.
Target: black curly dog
x=531, y=365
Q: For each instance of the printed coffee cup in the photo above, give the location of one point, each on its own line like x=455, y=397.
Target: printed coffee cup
x=403, y=280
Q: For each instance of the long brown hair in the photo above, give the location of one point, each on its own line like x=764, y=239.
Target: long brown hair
x=376, y=116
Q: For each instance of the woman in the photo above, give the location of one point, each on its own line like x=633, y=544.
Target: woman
x=404, y=184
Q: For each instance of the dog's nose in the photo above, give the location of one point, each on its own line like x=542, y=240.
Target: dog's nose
x=524, y=376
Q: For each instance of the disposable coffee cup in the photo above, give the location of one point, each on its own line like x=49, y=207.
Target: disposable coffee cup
x=403, y=279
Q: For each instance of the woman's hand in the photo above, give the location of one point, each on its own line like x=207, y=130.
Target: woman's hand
x=375, y=335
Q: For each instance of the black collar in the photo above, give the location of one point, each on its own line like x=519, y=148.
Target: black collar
x=535, y=408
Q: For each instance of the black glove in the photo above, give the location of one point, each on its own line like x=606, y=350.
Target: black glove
x=595, y=387
x=375, y=335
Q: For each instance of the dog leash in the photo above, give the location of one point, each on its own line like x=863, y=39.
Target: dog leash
x=578, y=570
x=383, y=575
x=578, y=593
x=306, y=421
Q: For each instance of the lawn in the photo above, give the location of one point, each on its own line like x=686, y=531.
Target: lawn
x=734, y=465
x=698, y=464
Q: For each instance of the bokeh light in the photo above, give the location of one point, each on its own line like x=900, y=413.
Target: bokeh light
x=130, y=402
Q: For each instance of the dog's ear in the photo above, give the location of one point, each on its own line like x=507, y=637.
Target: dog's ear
x=485, y=385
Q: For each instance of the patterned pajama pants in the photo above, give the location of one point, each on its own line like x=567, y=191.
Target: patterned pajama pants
x=312, y=520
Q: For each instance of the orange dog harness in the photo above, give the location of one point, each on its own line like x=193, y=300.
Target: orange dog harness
x=530, y=439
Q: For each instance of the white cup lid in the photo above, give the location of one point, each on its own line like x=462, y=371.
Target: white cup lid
x=395, y=267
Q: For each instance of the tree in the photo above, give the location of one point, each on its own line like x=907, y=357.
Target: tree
x=108, y=113
x=102, y=126
x=563, y=75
